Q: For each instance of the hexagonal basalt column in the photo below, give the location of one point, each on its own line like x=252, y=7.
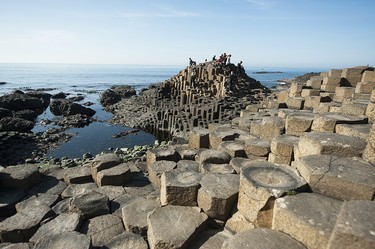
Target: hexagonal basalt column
x=218, y=194
x=260, y=184
x=179, y=187
x=156, y=169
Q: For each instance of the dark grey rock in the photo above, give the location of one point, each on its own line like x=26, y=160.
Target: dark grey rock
x=90, y=205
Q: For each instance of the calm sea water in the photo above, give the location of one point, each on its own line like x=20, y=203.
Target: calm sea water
x=90, y=81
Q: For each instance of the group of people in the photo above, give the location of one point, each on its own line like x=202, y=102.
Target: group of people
x=223, y=61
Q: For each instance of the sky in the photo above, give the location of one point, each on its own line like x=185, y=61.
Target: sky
x=261, y=33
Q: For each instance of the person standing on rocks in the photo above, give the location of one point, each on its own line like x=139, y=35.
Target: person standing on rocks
x=193, y=77
x=240, y=68
x=228, y=60
x=231, y=81
x=191, y=62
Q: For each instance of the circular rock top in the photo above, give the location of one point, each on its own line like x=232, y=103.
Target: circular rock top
x=275, y=178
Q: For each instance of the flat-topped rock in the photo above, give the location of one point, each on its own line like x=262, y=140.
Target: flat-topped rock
x=369, y=153
x=64, y=240
x=210, y=239
x=238, y=163
x=90, y=205
x=199, y=138
x=188, y=165
x=355, y=226
x=126, y=240
x=323, y=123
x=118, y=203
x=62, y=223
x=221, y=134
x=356, y=130
x=179, y=187
x=307, y=217
x=238, y=223
x=297, y=124
x=257, y=148
x=186, y=153
x=174, y=226
x=340, y=177
x=159, y=154
x=111, y=191
x=233, y=148
x=218, y=194
x=102, y=229
x=21, y=176
x=78, y=175
x=43, y=199
x=260, y=184
x=156, y=169
x=62, y=206
x=213, y=156
x=346, y=119
x=104, y=161
x=116, y=176
x=261, y=238
x=78, y=189
x=22, y=226
x=48, y=185
x=326, y=143
x=134, y=215
x=271, y=127
x=283, y=145
x=8, y=200
x=216, y=168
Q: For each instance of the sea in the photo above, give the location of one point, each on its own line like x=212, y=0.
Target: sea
x=90, y=81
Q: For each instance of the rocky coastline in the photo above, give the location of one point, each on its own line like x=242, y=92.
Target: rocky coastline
x=293, y=168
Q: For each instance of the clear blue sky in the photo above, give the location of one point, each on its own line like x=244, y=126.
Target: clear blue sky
x=280, y=33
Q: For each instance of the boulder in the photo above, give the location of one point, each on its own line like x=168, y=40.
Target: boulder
x=257, y=148
x=29, y=115
x=126, y=240
x=115, y=94
x=64, y=240
x=339, y=177
x=218, y=194
x=90, y=205
x=179, y=187
x=174, y=226
x=261, y=238
x=17, y=102
x=355, y=226
x=62, y=223
x=22, y=226
x=102, y=229
x=188, y=165
x=48, y=185
x=307, y=217
x=66, y=107
x=62, y=206
x=21, y=176
x=134, y=215
x=186, y=153
x=16, y=124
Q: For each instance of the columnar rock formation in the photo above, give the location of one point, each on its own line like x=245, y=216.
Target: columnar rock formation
x=274, y=177
x=177, y=106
